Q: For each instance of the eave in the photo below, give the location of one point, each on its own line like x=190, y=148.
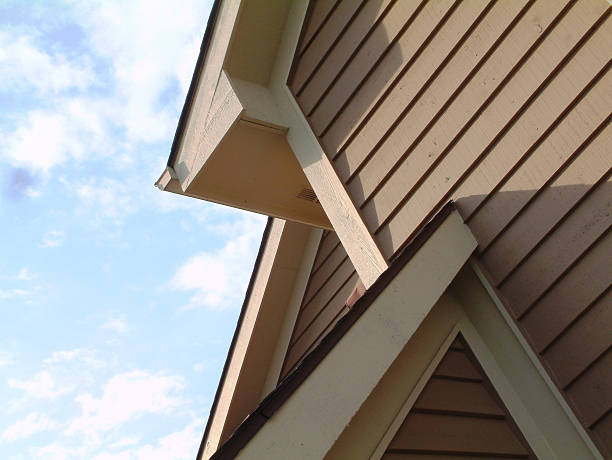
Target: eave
x=230, y=146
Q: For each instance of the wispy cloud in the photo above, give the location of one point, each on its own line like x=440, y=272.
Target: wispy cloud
x=218, y=278
x=126, y=397
x=23, y=64
x=52, y=239
x=42, y=385
x=32, y=424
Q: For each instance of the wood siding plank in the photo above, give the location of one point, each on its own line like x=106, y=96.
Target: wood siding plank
x=592, y=393
x=319, y=14
x=577, y=290
x=456, y=364
x=425, y=25
x=512, y=117
x=337, y=60
x=571, y=353
x=439, y=433
x=552, y=202
x=559, y=251
x=457, y=396
x=323, y=42
x=378, y=53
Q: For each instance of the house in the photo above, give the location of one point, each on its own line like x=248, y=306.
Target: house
x=434, y=279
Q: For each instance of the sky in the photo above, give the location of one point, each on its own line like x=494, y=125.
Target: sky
x=118, y=301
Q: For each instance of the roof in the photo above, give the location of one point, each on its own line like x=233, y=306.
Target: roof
x=255, y=421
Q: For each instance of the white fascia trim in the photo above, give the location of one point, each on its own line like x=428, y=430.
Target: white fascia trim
x=535, y=361
x=310, y=421
x=293, y=309
x=228, y=385
x=341, y=211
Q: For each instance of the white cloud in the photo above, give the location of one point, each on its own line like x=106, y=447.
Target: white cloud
x=109, y=199
x=116, y=324
x=73, y=129
x=25, y=65
x=219, y=277
x=83, y=355
x=52, y=239
x=147, y=54
x=126, y=397
x=32, y=424
x=180, y=445
x=42, y=386
x=24, y=275
x=10, y=293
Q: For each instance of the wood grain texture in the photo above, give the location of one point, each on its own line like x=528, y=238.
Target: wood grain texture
x=504, y=107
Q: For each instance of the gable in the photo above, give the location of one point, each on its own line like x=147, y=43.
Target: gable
x=503, y=107
x=458, y=414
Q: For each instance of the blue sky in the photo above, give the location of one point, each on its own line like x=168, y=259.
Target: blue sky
x=118, y=300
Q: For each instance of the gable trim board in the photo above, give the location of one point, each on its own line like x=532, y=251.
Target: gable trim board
x=430, y=262
x=252, y=354
x=476, y=266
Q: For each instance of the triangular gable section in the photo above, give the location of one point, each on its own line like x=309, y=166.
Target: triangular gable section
x=458, y=414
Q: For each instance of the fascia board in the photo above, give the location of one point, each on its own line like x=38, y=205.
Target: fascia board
x=307, y=424
x=205, y=82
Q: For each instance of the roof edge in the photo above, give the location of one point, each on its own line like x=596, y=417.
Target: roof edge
x=271, y=403
x=213, y=408
x=195, y=79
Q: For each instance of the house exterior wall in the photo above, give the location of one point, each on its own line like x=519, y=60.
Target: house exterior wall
x=331, y=281
x=503, y=106
x=457, y=402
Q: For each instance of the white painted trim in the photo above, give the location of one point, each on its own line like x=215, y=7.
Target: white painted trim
x=341, y=211
x=293, y=309
x=412, y=397
x=535, y=361
x=205, y=91
x=228, y=385
x=529, y=428
x=309, y=422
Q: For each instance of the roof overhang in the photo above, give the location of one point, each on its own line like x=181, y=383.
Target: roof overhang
x=360, y=349
x=231, y=146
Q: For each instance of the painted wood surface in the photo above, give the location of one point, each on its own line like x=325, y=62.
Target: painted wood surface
x=504, y=107
x=458, y=414
x=332, y=280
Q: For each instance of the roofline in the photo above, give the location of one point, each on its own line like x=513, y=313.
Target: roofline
x=195, y=79
x=271, y=403
x=213, y=408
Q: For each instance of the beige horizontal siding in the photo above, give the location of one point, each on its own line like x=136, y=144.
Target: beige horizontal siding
x=505, y=107
x=332, y=280
x=458, y=414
